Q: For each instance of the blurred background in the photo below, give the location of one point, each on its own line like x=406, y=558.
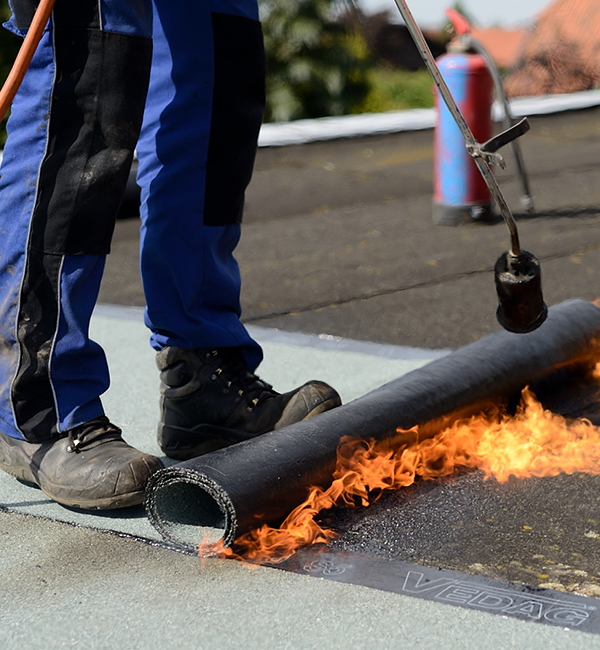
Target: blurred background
x=340, y=57
x=335, y=57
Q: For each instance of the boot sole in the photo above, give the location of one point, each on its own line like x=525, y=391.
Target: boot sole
x=20, y=469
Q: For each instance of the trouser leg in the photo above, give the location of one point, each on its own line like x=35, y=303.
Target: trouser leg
x=71, y=135
x=196, y=153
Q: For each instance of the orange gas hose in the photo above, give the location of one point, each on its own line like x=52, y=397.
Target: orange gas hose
x=17, y=72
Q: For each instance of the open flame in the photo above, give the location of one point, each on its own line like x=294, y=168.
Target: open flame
x=532, y=442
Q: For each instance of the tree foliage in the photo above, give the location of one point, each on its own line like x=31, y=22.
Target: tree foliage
x=315, y=65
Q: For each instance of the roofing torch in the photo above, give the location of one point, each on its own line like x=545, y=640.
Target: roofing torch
x=521, y=306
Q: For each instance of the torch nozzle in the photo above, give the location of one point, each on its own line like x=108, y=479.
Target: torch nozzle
x=521, y=306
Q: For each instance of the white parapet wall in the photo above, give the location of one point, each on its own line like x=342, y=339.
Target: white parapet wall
x=356, y=126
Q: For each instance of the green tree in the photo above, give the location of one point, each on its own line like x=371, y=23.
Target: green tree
x=315, y=65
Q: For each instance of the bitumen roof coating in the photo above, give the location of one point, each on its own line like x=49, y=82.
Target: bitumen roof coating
x=453, y=563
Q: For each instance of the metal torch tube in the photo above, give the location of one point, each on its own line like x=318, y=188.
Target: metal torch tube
x=508, y=119
x=471, y=143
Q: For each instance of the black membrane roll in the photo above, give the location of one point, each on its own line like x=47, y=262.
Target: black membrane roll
x=223, y=494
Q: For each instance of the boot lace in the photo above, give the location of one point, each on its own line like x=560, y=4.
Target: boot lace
x=96, y=431
x=230, y=368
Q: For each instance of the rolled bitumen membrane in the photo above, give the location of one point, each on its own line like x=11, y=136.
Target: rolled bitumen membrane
x=217, y=497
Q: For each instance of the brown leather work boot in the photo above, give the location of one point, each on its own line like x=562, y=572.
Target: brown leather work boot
x=91, y=467
x=209, y=400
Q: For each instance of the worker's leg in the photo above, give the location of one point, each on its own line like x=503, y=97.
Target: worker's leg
x=71, y=136
x=196, y=154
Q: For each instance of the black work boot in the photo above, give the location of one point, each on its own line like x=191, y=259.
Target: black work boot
x=89, y=467
x=209, y=400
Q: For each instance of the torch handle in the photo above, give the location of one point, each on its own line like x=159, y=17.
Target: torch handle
x=472, y=145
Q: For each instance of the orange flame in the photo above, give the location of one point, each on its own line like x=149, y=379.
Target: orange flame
x=533, y=442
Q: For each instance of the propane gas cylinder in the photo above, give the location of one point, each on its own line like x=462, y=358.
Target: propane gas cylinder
x=460, y=193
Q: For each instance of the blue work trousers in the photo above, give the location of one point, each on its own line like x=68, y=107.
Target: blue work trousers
x=184, y=83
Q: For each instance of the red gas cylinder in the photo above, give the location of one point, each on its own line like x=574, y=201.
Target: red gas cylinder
x=460, y=193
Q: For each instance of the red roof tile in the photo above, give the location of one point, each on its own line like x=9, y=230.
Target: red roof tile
x=505, y=46
x=562, y=53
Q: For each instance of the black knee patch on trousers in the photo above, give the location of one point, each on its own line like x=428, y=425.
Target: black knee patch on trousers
x=237, y=111
x=95, y=118
x=32, y=393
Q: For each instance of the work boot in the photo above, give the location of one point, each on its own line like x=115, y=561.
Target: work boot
x=209, y=400
x=89, y=467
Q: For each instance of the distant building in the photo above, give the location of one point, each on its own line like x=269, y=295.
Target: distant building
x=504, y=45
x=561, y=53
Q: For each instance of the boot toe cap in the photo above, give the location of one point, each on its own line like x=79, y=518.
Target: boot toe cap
x=307, y=401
